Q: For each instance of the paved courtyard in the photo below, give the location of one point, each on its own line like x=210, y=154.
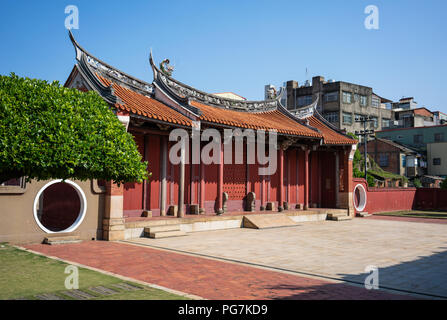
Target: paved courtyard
x=207, y=278
x=410, y=256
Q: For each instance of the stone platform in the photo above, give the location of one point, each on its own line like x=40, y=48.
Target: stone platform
x=134, y=227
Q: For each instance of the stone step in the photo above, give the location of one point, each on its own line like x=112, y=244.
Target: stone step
x=336, y=214
x=363, y=214
x=265, y=221
x=62, y=240
x=341, y=218
x=166, y=234
x=169, y=227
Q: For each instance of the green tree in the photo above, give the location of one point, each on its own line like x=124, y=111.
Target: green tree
x=417, y=183
x=51, y=132
x=444, y=184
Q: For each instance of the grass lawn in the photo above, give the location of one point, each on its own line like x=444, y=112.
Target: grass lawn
x=416, y=214
x=25, y=275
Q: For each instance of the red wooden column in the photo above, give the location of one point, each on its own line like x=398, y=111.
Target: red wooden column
x=349, y=182
x=220, y=174
x=346, y=195
x=163, y=174
x=306, y=179
x=281, y=180
x=320, y=179
x=181, y=184
x=202, y=187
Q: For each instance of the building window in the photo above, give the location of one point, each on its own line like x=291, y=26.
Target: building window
x=375, y=102
x=347, y=118
x=358, y=117
x=439, y=137
x=304, y=101
x=363, y=101
x=418, y=138
x=347, y=97
x=436, y=161
x=331, y=116
x=12, y=182
x=386, y=123
x=331, y=96
x=383, y=160
x=404, y=161
x=376, y=122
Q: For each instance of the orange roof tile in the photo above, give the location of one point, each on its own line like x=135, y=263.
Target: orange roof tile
x=269, y=120
x=330, y=136
x=139, y=104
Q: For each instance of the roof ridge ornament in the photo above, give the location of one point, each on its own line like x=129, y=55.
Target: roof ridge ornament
x=182, y=92
x=166, y=68
x=307, y=111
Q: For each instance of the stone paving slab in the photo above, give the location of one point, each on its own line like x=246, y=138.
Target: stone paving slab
x=208, y=278
x=410, y=256
x=101, y=290
x=407, y=219
x=78, y=294
x=49, y=296
x=126, y=286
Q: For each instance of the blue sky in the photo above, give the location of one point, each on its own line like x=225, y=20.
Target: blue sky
x=239, y=46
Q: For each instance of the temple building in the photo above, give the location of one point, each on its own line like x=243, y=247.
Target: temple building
x=314, y=159
x=313, y=156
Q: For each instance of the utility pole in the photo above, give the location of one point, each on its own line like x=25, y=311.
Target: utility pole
x=365, y=134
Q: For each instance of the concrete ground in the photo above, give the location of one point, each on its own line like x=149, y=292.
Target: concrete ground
x=411, y=257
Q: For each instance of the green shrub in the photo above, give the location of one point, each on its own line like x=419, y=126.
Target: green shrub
x=444, y=184
x=51, y=132
x=417, y=183
x=370, y=180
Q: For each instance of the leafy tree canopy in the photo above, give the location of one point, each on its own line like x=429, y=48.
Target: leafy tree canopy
x=444, y=184
x=51, y=132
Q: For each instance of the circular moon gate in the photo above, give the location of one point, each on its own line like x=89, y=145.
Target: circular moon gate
x=359, y=198
x=60, y=206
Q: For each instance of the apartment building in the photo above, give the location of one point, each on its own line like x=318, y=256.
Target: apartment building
x=341, y=103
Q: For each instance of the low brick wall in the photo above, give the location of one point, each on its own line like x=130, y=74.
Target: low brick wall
x=431, y=198
x=399, y=199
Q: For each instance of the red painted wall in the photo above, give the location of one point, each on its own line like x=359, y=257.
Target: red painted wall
x=430, y=198
x=398, y=199
x=327, y=165
x=314, y=177
x=153, y=185
x=133, y=192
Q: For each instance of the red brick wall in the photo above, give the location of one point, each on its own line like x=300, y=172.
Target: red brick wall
x=376, y=147
x=399, y=199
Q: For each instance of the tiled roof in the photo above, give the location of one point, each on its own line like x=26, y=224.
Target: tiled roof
x=330, y=136
x=397, y=145
x=139, y=104
x=273, y=120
